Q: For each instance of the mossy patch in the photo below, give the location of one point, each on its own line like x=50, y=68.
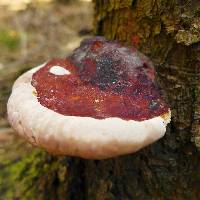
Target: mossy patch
x=9, y=39
x=27, y=172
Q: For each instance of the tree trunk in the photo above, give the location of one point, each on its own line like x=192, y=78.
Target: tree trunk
x=168, y=31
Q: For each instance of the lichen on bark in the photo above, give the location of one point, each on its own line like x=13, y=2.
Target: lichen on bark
x=190, y=35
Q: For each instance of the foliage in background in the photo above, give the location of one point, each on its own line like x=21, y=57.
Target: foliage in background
x=9, y=39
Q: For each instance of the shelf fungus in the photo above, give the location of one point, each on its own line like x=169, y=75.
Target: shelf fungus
x=101, y=101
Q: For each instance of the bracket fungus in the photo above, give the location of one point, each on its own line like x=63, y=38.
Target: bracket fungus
x=101, y=101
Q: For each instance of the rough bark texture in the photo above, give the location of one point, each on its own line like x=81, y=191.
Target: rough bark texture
x=168, y=31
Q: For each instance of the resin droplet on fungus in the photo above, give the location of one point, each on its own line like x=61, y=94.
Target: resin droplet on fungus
x=57, y=70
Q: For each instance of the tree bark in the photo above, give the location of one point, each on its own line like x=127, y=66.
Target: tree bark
x=168, y=31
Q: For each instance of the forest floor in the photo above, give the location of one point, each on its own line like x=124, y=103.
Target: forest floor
x=30, y=35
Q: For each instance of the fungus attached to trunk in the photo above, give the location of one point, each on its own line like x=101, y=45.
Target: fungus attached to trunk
x=100, y=102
